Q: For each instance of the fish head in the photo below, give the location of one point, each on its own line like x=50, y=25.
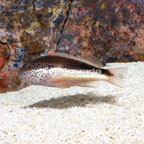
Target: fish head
x=25, y=71
x=35, y=73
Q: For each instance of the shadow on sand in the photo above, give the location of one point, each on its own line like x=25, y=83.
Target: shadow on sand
x=79, y=100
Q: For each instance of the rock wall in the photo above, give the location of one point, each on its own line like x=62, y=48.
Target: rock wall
x=113, y=31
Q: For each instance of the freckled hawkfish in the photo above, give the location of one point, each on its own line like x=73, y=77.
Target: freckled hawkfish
x=64, y=70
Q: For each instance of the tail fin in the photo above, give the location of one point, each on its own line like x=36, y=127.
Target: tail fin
x=118, y=76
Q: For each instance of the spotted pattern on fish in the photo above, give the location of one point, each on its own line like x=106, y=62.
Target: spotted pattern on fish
x=41, y=72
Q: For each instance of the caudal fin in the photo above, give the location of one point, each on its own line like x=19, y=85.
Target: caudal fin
x=118, y=77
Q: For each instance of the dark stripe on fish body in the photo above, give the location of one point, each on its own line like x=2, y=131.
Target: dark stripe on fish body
x=52, y=61
x=107, y=72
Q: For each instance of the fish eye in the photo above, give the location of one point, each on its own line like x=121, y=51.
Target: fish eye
x=28, y=67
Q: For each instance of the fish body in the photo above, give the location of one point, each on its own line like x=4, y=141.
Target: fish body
x=63, y=70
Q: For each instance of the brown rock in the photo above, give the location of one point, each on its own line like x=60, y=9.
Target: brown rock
x=111, y=30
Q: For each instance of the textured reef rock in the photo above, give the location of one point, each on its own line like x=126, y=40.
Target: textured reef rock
x=111, y=30
x=28, y=29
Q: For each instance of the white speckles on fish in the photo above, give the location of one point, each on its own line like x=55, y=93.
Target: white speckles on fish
x=63, y=70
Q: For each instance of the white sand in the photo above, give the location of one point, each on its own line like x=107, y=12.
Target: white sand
x=106, y=115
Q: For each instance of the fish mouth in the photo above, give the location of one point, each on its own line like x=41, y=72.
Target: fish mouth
x=22, y=69
x=20, y=73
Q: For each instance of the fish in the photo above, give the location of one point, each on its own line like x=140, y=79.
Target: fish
x=65, y=70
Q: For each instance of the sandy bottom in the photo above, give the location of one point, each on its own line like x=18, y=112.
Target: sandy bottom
x=105, y=115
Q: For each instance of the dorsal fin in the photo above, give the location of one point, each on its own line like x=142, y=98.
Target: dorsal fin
x=88, y=59
x=92, y=59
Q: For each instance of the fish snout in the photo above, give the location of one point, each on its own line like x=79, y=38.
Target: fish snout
x=22, y=71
